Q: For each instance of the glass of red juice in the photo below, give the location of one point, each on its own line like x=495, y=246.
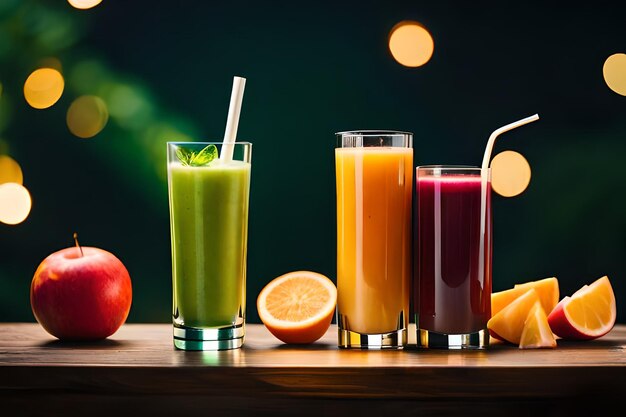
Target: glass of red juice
x=453, y=252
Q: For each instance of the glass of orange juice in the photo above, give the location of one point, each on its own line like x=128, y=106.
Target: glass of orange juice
x=374, y=174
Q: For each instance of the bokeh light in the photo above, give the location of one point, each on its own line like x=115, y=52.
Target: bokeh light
x=87, y=116
x=51, y=62
x=84, y=4
x=87, y=76
x=10, y=170
x=510, y=173
x=15, y=203
x=411, y=44
x=43, y=87
x=614, y=71
x=129, y=106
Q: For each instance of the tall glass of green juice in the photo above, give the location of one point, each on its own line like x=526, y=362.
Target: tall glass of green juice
x=208, y=201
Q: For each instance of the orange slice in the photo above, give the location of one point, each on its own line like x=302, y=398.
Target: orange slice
x=547, y=290
x=298, y=307
x=537, y=332
x=501, y=299
x=588, y=314
x=508, y=324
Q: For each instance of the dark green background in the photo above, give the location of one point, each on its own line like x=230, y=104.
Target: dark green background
x=312, y=69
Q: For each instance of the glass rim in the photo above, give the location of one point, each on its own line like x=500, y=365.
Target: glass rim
x=441, y=170
x=367, y=133
x=452, y=167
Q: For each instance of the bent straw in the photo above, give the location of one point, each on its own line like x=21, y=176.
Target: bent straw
x=234, y=110
x=501, y=130
x=484, y=180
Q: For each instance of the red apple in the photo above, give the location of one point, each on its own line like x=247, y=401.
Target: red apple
x=81, y=293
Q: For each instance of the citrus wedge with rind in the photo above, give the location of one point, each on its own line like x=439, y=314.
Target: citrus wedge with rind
x=587, y=314
x=298, y=307
x=536, y=332
x=547, y=290
x=508, y=323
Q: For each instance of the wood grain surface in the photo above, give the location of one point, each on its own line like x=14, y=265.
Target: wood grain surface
x=137, y=371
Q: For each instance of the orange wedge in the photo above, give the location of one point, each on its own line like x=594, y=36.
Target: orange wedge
x=588, y=314
x=537, y=332
x=501, y=299
x=508, y=323
x=547, y=290
x=298, y=307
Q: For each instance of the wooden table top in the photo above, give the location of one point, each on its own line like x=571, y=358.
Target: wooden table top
x=139, y=361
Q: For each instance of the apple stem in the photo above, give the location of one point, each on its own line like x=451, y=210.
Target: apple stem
x=77, y=245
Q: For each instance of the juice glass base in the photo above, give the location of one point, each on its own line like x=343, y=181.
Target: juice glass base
x=189, y=338
x=433, y=340
x=353, y=340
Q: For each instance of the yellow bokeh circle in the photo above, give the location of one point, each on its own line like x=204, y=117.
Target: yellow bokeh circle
x=10, y=170
x=87, y=116
x=15, y=203
x=84, y=4
x=510, y=173
x=614, y=72
x=411, y=44
x=43, y=87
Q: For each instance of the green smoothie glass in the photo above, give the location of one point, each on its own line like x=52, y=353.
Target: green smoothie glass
x=208, y=201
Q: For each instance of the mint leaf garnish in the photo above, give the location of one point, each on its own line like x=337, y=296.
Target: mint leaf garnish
x=197, y=159
x=184, y=156
x=205, y=156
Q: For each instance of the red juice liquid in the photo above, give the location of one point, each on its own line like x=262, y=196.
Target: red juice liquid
x=452, y=282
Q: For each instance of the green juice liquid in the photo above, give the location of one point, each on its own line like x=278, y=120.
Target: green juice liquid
x=209, y=231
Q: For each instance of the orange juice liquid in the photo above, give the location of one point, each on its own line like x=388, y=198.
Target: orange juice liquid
x=374, y=194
